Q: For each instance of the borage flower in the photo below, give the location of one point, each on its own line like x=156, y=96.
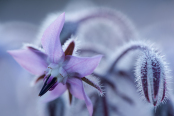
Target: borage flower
x=61, y=70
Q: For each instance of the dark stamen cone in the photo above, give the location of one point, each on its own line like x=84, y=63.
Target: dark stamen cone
x=70, y=49
x=46, y=86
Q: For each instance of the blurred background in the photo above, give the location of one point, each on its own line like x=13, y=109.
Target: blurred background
x=120, y=21
x=142, y=12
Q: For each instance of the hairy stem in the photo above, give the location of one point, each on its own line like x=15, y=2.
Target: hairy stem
x=56, y=107
x=92, y=84
x=128, y=49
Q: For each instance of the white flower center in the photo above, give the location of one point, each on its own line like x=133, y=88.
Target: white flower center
x=56, y=70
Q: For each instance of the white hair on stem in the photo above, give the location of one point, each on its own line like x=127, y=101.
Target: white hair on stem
x=151, y=71
x=96, y=81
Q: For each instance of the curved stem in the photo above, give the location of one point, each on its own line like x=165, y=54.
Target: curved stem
x=91, y=51
x=113, y=86
x=116, y=17
x=129, y=48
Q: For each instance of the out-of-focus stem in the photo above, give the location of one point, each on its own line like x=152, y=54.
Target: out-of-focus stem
x=133, y=47
x=56, y=107
x=105, y=108
x=113, y=16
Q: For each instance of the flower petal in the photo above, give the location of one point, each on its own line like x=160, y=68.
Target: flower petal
x=55, y=93
x=78, y=66
x=31, y=60
x=76, y=89
x=50, y=39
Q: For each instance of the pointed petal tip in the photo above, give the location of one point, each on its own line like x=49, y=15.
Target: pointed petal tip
x=50, y=39
x=82, y=66
x=62, y=16
x=29, y=60
x=11, y=52
x=8, y=51
x=99, y=56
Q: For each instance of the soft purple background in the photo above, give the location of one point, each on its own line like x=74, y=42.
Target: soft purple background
x=152, y=19
x=142, y=12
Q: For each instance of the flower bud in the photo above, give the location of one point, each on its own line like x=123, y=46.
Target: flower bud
x=152, y=76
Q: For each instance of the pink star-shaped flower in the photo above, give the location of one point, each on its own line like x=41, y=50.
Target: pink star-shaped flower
x=62, y=70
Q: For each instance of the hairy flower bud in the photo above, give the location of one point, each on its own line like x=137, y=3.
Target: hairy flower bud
x=151, y=72
x=152, y=76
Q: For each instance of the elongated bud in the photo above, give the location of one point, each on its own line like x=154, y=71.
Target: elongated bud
x=151, y=71
x=152, y=76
